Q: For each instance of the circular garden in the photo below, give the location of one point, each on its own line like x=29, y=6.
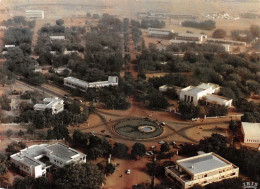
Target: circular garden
x=138, y=128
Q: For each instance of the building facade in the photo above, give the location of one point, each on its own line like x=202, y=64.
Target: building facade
x=54, y=104
x=36, y=160
x=34, y=14
x=202, y=169
x=191, y=37
x=161, y=33
x=83, y=85
x=204, y=92
x=251, y=132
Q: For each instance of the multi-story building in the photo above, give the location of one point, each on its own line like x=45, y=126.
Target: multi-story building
x=36, y=160
x=202, y=169
x=191, y=37
x=204, y=92
x=54, y=104
x=161, y=33
x=251, y=132
x=83, y=85
x=34, y=14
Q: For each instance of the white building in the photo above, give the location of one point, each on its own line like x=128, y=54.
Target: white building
x=251, y=132
x=224, y=41
x=58, y=37
x=9, y=46
x=34, y=14
x=204, y=92
x=54, y=104
x=177, y=42
x=191, y=37
x=83, y=85
x=156, y=32
x=36, y=160
x=70, y=52
x=164, y=88
x=202, y=169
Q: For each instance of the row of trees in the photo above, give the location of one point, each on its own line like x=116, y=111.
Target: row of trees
x=204, y=25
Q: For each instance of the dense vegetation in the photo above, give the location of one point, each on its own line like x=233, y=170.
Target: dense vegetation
x=152, y=23
x=204, y=25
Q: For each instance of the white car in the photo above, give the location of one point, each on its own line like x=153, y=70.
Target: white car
x=128, y=171
x=152, y=147
x=161, y=142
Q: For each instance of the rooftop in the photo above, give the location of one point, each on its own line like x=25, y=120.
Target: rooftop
x=190, y=35
x=63, y=152
x=202, y=163
x=216, y=98
x=252, y=129
x=31, y=155
x=75, y=80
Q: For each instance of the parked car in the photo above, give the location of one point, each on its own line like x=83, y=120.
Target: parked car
x=147, y=154
x=161, y=142
x=152, y=147
x=128, y=171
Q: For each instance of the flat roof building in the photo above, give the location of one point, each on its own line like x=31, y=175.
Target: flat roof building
x=251, y=132
x=34, y=14
x=35, y=160
x=205, y=92
x=225, y=41
x=202, y=169
x=191, y=37
x=54, y=104
x=156, y=32
x=83, y=85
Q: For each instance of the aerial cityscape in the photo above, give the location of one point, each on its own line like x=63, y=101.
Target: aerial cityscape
x=130, y=94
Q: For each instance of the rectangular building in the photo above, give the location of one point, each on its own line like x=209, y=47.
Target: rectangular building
x=83, y=85
x=191, y=37
x=225, y=41
x=204, y=92
x=36, y=160
x=161, y=33
x=202, y=169
x=54, y=104
x=34, y=14
x=251, y=132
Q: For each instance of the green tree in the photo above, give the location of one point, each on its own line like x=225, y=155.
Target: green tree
x=80, y=176
x=138, y=150
x=165, y=147
x=22, y=183
x=219, y=33
x=41, y=183
x=3, y=168
x=188, y=110
x=59, y=22
x=233, y=126
x=109, y=169
x=213, y=143
x=157, y=101
x=14, y=147
x=120, y=150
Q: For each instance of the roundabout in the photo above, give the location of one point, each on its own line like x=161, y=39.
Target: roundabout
x=138, y=128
